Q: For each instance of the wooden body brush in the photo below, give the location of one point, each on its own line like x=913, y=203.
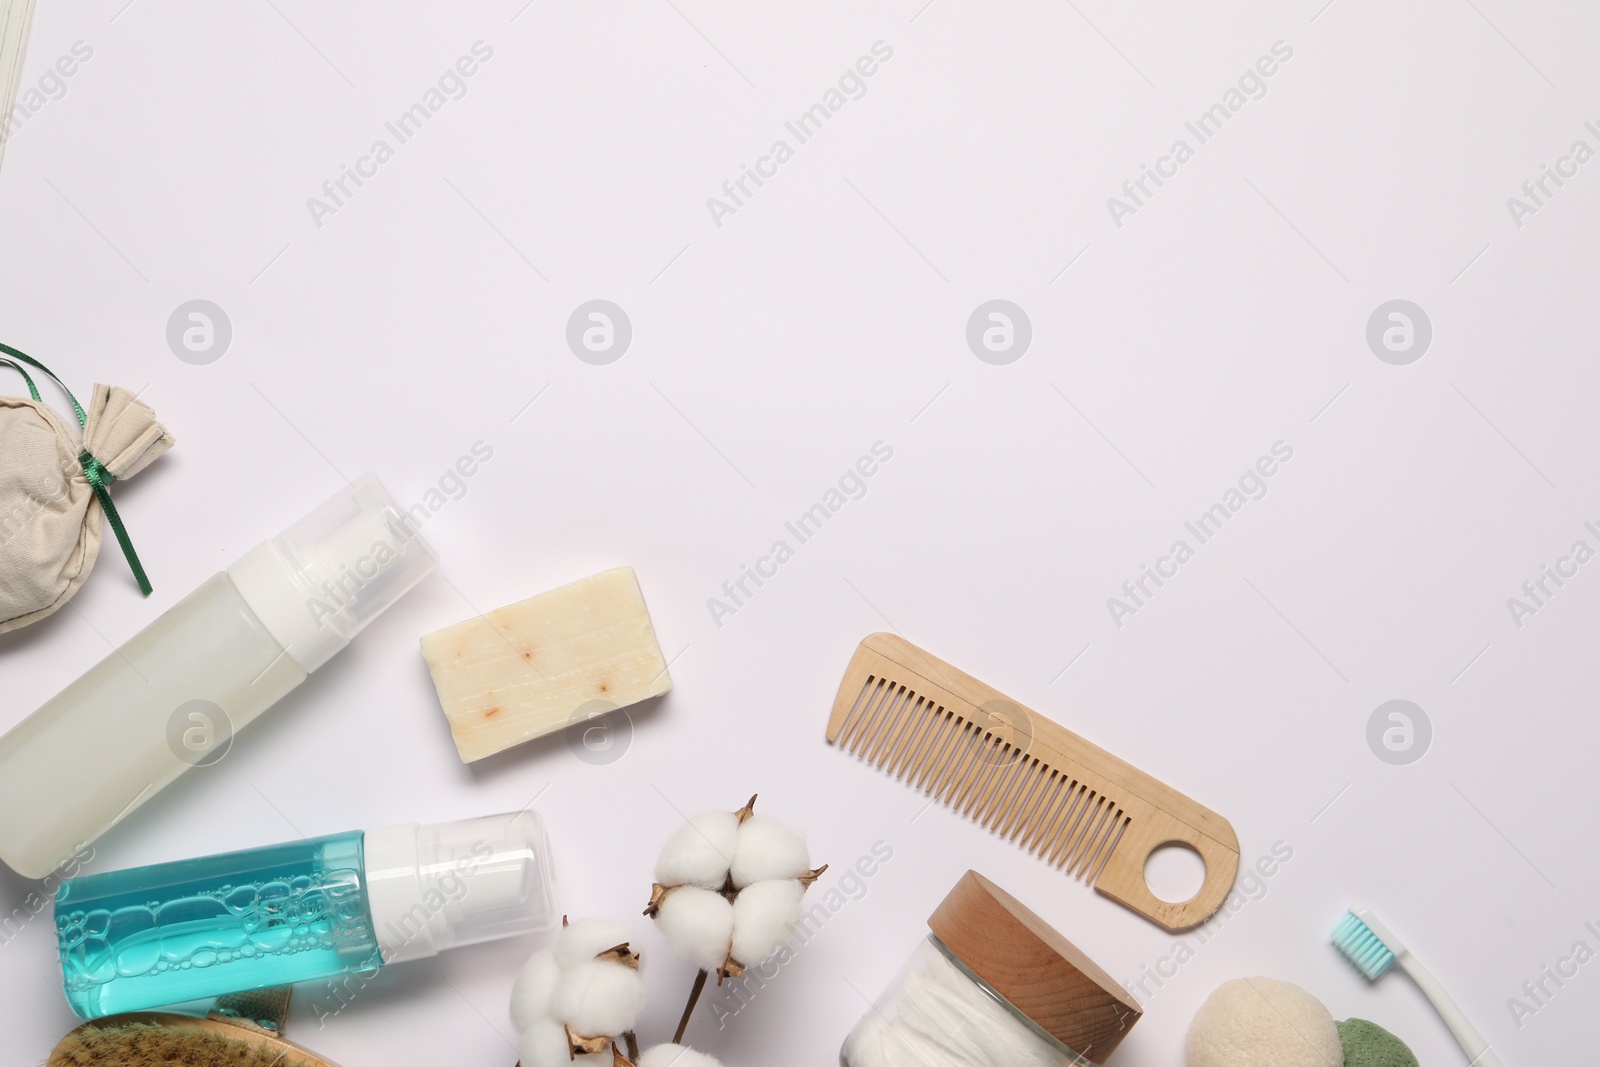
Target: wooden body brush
x=1069, y=802
x=244, y=1030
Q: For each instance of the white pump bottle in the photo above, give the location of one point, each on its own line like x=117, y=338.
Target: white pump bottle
x=173, y=696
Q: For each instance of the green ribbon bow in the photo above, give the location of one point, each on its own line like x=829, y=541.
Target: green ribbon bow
x=100, y=479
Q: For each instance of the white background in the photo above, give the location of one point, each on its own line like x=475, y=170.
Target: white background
x=826, y=314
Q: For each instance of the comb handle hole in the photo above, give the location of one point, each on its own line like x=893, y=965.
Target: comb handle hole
x=1175, y=872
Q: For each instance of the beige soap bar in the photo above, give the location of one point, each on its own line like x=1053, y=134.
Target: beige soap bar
x=535, y=667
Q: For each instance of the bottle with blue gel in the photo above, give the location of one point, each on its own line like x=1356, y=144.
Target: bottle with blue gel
x=171, y=933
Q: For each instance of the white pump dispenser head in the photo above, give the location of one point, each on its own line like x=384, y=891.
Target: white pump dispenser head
x=317, y=584
x=458, y=883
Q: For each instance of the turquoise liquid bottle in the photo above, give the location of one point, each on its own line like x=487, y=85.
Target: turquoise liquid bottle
x=171, y=933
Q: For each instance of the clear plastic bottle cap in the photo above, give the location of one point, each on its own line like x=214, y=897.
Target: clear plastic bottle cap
x=317, y=584
x=436, y=887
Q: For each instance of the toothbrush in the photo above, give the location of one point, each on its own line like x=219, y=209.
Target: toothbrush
x=1371, y=948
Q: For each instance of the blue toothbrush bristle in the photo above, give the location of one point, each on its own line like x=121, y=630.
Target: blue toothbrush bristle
x=1363, y=948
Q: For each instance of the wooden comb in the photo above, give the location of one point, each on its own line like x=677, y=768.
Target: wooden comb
x=1074, y=805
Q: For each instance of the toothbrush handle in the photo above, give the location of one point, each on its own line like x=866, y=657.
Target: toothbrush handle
x=1471, y=1042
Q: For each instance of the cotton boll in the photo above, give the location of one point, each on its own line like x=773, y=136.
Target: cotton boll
x=534, y=990
x=768, y=850
x=699, y=924
x=587, y=938
x=700, y=852
x=675, y=1056
x=544, y=1044
x=599, y=998
x=763, y=915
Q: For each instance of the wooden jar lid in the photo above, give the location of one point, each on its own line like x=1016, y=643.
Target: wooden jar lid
x=1041, y=973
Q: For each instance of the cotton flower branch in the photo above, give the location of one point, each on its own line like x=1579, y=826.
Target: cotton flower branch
x=727, y=892
x=579, y=998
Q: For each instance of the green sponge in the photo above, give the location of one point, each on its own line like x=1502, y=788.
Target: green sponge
x=1370, y=1045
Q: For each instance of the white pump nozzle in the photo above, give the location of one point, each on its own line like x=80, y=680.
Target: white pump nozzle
x=317, y=584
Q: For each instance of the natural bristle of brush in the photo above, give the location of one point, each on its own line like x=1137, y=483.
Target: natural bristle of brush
x=1364, y=949
x=139, y=1044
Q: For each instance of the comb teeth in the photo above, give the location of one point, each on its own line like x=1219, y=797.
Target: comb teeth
x=1028, y=779
x=982, y=775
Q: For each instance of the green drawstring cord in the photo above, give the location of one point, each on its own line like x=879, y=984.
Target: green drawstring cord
x=100, y=479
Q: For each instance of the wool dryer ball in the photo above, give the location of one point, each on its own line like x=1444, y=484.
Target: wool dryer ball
x=1262, y=1022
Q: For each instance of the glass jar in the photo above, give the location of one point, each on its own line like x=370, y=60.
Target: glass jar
x=939, y=1012
x=992, y=986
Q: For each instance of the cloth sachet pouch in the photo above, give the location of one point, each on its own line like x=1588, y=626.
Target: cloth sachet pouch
x=54, y=489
